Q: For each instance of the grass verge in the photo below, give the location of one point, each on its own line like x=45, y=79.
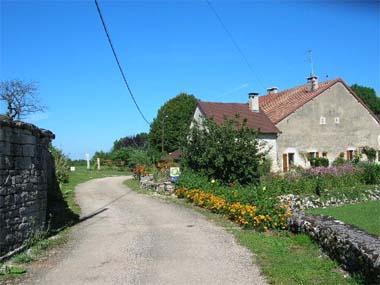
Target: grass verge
x=362, y=215
x=284, y=258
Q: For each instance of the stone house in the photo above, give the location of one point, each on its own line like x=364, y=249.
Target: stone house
x=324, y=119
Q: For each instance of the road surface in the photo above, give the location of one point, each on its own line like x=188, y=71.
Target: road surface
x=137, y=239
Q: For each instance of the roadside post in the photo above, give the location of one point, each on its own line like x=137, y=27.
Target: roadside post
x=88, y=160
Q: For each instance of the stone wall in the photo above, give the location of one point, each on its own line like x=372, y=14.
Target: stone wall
x=357, y=251
x=25, y=167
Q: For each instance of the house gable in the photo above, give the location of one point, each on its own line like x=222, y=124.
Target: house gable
x=332, y=122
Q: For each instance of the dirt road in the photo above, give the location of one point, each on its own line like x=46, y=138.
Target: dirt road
x=136, y=239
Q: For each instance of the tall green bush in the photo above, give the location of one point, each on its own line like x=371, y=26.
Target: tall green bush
x=61, y=162
x=228, y=152
x=370, y=173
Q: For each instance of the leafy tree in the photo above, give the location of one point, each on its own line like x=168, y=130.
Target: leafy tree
x=138, y=141
x=368, y=95
x=229, y=152
x=20, y=98
x=172, y=123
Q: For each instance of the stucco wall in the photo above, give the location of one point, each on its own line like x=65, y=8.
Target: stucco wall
x=269, y=144
x=25, y=167
x=302, y=131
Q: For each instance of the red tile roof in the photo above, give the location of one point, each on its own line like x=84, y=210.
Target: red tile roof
x=273, y=107
x=280, y=105
x=255, y=120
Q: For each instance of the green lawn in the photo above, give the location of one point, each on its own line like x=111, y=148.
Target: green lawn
x=284, y=258
x=365, y=216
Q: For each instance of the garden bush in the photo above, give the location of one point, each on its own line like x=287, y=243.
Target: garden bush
x=370, y=173
x=228, y=152
x=319, y=161
x=61, y=163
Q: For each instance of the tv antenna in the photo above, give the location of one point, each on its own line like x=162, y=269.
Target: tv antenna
x=310, y=58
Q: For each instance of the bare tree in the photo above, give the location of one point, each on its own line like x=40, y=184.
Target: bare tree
x=20, y=98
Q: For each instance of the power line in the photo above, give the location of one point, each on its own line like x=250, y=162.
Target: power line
x=118, y=62
x=240, y=51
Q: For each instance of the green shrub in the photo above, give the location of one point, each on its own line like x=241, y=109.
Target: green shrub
x=370, y=173
x=370, y=153
x=228, y=152
x=119, y=157
x=61, y=165
x=138, y=157
x=319, y=161
x=339, y=160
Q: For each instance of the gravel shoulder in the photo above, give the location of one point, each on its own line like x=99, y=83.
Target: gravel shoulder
x=130, y=238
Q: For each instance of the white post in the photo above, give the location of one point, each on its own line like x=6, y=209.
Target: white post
x=88, y=160
x=98, y=162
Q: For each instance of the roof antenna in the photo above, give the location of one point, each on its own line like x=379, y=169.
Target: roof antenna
x=310, y=57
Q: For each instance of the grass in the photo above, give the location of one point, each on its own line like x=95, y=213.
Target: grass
x=362, y=215
x=40, y=245
x=284, y=258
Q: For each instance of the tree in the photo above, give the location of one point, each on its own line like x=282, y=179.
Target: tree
x=20, y=98
x=229, y=152
x=171, y=126
x=138, y=141
x=368, y=95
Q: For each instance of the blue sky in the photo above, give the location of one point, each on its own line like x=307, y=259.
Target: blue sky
x=168, y=47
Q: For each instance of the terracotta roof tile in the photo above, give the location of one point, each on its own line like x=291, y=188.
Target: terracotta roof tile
x=280, y=105
x=255, y=120
x=273, y=107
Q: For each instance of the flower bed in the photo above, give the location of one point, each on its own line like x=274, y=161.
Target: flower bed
x=246, y=215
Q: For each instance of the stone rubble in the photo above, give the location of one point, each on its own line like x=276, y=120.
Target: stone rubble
x=161, y=187
x=301, y=203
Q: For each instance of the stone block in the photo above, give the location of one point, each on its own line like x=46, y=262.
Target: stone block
x=5, y=148
x=28, y=150
x=23, y=163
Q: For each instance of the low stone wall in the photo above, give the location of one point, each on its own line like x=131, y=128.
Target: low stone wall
x=357, y=251
x=162, y=187
x=25, y=169
x=301, y=203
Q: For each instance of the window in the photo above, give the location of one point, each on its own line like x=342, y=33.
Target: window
x=337, y=120
x=322, y=121
x=350, y=155
x=313, y=154
x=324, y=154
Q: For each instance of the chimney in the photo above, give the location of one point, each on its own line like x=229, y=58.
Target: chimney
x=253, y=102
x=272, y=90
x=313, y=83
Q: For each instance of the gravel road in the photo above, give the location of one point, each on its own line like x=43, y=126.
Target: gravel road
x=137, y=239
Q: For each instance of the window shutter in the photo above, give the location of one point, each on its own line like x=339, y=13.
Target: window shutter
x=285, y=162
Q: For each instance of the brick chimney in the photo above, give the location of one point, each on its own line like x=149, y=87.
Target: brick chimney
x=272, y=90
x=253, y=102
x=313, y=83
